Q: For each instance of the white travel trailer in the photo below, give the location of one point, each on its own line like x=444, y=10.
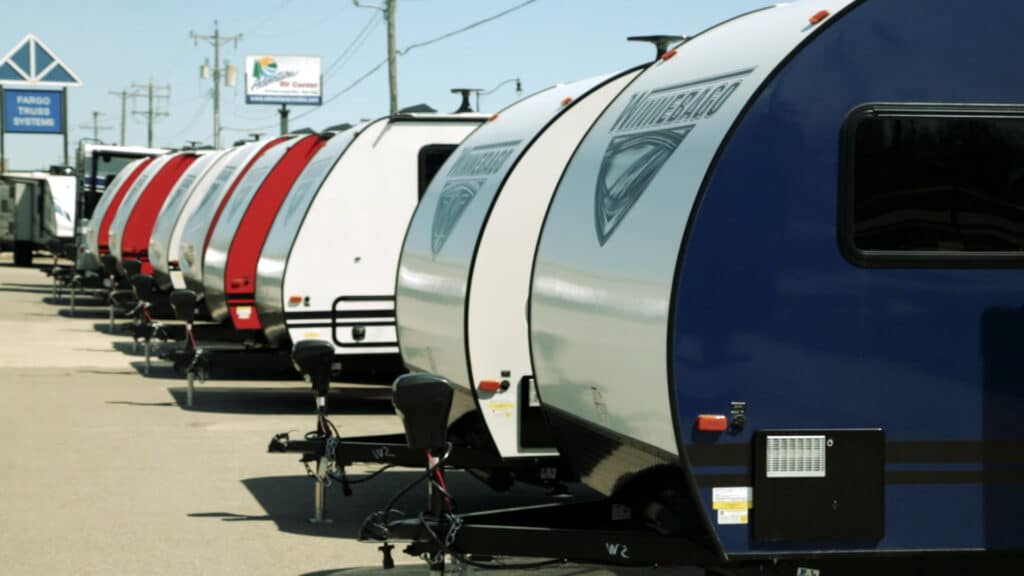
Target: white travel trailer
x=196, y=231
x=165, y=240
x=463, y=279
x=370, y=188
x=39, y=212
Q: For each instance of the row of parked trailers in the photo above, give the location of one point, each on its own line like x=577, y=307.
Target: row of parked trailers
x=761, y=292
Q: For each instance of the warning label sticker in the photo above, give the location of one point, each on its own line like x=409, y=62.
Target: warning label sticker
x=732, y=503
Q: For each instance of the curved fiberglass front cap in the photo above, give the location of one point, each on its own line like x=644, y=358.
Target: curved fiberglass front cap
x=439, y=248
x=90, y=257
x=196, y=229
x=124, y=211
x=273, y=258
x=215, y=258
x=606, y=261
x=160, y=238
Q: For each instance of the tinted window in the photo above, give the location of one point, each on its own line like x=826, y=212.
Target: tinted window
x=432, y=157
x=937, y=182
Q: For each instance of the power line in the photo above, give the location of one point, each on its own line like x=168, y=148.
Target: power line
x=353, y=46
x=217, y=40
x=153, y=94
x=412, y=47
x=95, y=126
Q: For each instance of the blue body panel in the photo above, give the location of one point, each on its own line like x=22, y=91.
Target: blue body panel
x=769, y=311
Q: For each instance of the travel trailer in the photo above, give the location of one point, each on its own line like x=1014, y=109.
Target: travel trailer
x=772, y=311
x=132, y=225
x=463, y=277
x=180, y=204
x=356, y=198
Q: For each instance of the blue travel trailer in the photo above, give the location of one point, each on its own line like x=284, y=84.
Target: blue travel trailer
x=774, y=308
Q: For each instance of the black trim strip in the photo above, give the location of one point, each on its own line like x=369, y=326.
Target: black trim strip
x=342, y=324
x=327, y=315
x=916, y=452
x=389, y=298
x=894, y=477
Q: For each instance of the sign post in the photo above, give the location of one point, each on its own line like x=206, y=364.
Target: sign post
x=41, y=107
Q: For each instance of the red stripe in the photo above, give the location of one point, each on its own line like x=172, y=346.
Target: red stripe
x=139, y=226
x=108, y=216
x=241, y=174
x=244, y=254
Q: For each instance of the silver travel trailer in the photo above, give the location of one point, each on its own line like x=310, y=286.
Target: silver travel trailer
x=198, y=226
x=127, y=204
x=186, y=195
x=356, y=197
x=241, y=230
x=463, y=277
x=96, y=230
x=774, y=309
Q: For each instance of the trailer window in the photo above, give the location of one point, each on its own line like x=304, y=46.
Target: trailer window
x=431, y=158
x=937, y=185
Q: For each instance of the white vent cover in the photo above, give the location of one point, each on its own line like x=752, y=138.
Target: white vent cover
x=796, y=456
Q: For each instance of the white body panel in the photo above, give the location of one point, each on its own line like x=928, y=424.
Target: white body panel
x=606, y=260
x=216, y=258
x=63, y=191
x=438, y=252
x=193, y=235
x=359, y=217
x=89, y=259
x=436, y=326
x=124, y=211
x=160, y=253
x=499, y=288
x=278, y=245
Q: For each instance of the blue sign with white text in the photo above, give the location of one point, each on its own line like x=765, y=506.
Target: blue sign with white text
x=33, y=111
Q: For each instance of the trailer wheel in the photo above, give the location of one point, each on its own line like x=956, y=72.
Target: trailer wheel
x=22, y=253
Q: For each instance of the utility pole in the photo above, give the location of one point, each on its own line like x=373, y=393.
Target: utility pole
x=95, y=126
x=152, y=93
x=124, y=110
x=389, y=13
x=216, y=40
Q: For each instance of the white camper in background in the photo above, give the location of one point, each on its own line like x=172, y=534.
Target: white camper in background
x=163, y=250
x=463, y=280
x=196, y=230
x=327, y=271
x=39, y=209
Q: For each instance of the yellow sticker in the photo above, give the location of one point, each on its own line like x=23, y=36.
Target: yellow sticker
x=732, y=498
x=311, y=335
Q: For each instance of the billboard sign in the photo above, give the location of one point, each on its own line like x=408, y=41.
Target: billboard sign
x=33, y=111
x=283, y=80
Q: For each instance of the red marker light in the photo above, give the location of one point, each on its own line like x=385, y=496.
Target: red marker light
x=567, y=100
x=239, y=282
x=669, y=54
x=818, y=17
x=295, y=299
x=492, y=118
x=489, y=386
x=712, y=423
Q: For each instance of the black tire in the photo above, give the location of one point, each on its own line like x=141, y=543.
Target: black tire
x=22, y=253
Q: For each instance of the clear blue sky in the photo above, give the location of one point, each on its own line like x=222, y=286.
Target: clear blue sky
x=112, y=43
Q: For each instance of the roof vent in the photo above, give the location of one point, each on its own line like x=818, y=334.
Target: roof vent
x=661, y=41
x=465, y=107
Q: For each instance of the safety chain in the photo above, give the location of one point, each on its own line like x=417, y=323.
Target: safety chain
x=329, y=448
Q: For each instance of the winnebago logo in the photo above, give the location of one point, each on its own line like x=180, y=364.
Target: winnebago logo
x=471, y=170
x=645, y=135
